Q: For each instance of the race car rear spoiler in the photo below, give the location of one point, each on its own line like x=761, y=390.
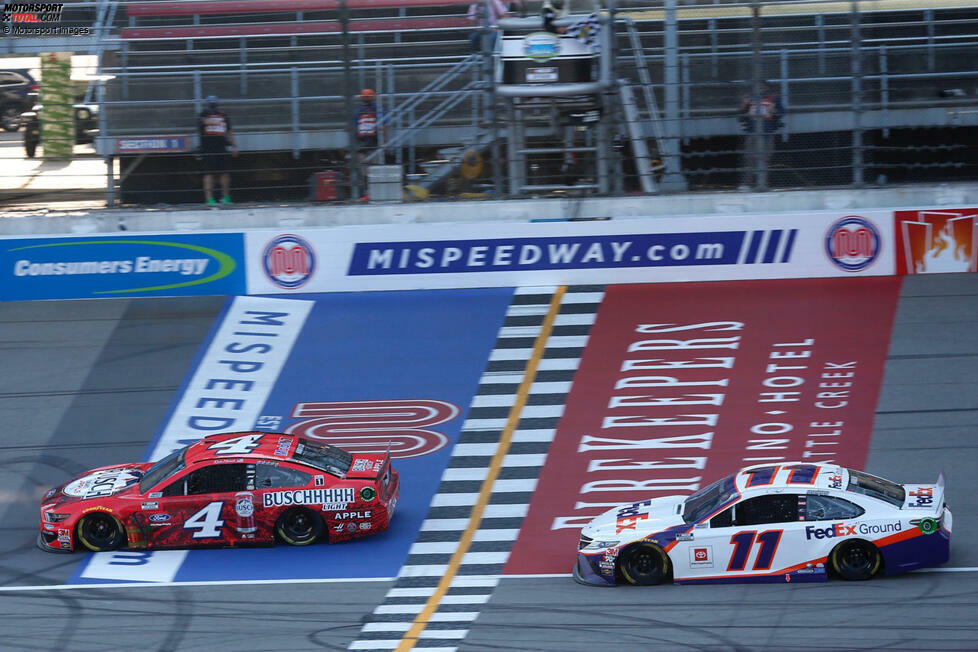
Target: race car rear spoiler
x=926, y=496
x=368, y=465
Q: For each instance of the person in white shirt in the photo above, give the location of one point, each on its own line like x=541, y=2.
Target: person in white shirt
x=477, y=14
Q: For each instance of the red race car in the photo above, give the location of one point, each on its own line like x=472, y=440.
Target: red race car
x=233, y=489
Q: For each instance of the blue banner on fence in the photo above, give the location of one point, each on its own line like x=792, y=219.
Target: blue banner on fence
x=573, y=252
x=122, y=266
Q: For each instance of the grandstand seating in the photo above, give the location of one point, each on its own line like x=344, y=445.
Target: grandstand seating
x=261, y=55
x=277, y=64
x=386, y=25
x=216, y=7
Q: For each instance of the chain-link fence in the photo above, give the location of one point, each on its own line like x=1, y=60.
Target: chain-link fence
x=802, y=94
x=657, y=97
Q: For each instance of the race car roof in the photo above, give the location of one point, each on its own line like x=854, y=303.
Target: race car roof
x=796, y=475
x=267, y=445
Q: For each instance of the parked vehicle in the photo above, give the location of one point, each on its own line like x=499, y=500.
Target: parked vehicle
x=86, y=126
x=18, y=93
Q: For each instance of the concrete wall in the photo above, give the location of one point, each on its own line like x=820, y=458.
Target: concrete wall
x=297, y=216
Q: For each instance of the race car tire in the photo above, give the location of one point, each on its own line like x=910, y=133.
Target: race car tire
x=299, y=527
x=643, y=564
x=100, y=532
x=855, y=560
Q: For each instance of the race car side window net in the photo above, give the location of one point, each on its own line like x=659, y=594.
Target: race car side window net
x=278, y=477
x=828, y=508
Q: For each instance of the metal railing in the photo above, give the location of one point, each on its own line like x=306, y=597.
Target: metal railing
x=847, y=106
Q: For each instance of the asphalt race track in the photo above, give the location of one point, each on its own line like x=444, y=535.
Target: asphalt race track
x=86, y=383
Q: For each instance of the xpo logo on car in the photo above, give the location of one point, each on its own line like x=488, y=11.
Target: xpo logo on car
x=835, y=530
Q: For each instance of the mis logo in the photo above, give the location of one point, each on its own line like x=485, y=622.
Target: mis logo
x=399, y=427
x=289, y=261
x=853, y=243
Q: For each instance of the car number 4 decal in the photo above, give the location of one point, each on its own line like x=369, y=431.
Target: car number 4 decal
x=236, y=446
x=743, y=542
x=207, y=521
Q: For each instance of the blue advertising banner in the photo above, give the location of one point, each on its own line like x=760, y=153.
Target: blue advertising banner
x=122, y=266
x=574, y=252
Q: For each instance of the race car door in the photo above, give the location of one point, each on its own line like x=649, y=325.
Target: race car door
x=756, y=536
x=212, y=505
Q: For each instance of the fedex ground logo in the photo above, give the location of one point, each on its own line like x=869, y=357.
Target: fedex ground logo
x=573, y=252
x=830, y=532
x=843, y=530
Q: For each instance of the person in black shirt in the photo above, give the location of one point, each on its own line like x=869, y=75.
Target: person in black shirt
x=216, y=137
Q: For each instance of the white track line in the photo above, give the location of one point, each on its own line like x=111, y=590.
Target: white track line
x=126, y=585
x=336, y=580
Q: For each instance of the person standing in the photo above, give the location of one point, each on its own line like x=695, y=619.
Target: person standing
x=760, y=121
x=216, y=138
x=477, y=10
x=367, y=121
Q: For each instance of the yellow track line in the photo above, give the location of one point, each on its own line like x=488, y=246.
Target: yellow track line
x=410, y=638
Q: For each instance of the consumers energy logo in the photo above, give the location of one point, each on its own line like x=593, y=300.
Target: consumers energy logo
x=77, y=268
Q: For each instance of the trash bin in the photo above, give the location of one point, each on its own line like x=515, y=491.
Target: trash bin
x=385, y=183
x=326, y=186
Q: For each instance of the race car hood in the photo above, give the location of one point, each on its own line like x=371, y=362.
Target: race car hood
x=635, y=520
x=99, y=483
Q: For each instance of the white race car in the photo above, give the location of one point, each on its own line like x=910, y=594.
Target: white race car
x=790, y=522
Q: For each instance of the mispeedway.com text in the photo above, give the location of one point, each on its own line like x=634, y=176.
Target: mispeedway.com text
x=141, y=264
x=531, y=254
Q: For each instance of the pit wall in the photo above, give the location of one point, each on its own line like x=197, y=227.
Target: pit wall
x=830, y=243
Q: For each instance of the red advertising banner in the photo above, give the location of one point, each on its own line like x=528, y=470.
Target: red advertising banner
x=934, y=241
x=681, y=384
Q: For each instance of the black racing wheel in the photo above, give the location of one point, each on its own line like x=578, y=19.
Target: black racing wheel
x=299, y=527
x=643, y=564
x=855, y=560
x=100, y=532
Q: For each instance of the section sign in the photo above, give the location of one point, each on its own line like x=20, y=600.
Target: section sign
x=937, y=240
x=103, y=266
x=682, y=384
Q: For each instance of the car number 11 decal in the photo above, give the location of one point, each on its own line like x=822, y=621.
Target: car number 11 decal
x=744, y=541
